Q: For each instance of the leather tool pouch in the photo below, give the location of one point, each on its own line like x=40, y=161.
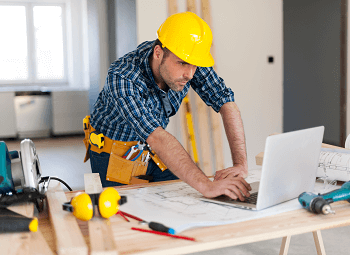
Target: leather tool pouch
x=123, y=170
x=120, y=169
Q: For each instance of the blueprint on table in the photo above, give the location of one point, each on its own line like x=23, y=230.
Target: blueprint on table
x=334, y=164
x=178, y=206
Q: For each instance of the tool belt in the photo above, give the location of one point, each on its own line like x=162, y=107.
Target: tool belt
x=120, y=169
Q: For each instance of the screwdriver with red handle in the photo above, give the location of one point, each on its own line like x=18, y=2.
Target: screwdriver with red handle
x=152, y=225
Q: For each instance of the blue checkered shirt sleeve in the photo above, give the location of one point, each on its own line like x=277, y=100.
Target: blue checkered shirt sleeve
x=211, y=88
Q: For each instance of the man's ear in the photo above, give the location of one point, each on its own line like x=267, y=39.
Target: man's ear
x=158, y=52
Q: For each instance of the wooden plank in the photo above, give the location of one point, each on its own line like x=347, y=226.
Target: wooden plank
x=101, y=237
x=206, y=16
x=69, y=239
x=26, y=209
x=38, y=244
x=285, y=245
x=205, y=160
x=92, y=183
x=17, y=243
x=25, y=242
x=191, y=6
x=172, y=9
x=324, y=145
x=204, y=136
x=260, y=156
x=100, y=233
x=183, y=121
x=319, y=242
x=215, y=117
x=202, y=115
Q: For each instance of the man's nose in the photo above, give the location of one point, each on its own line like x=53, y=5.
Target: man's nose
x=190, y=70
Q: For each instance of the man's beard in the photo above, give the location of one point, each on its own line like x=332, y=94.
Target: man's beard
x=172, y=84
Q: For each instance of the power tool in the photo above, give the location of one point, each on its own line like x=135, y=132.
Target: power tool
x=20, y=176
x=320, y=203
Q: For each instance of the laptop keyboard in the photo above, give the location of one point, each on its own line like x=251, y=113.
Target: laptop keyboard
x=252, y=199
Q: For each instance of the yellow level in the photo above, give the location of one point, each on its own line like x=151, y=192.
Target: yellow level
x=190, y=129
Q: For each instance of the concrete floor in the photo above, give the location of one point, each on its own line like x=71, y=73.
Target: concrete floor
x=63, y=157
x=336, y=242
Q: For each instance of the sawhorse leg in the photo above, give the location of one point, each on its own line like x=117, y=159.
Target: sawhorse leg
x=285, y=245
x=318, y=243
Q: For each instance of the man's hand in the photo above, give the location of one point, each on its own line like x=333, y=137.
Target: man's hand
x=235, y=171
x=166, y=146
x=232, y=187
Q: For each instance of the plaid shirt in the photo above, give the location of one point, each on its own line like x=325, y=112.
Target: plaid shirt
x=129, y=107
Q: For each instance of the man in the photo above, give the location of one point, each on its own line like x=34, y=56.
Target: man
x=145, y=87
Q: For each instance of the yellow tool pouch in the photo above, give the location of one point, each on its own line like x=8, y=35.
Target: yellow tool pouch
x=119, y=169
x=86, y=123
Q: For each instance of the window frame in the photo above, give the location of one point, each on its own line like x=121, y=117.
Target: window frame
x=32, y=80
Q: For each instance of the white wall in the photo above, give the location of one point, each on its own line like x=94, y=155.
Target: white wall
x=150, y=15
x=245, y=34
x=77, y=44
x=7, y=115
x=103, y=36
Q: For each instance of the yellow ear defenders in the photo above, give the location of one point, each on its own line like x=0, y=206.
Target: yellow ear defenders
x=82, y=205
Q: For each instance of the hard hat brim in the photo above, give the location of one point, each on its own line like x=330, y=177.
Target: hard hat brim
x=207, y=61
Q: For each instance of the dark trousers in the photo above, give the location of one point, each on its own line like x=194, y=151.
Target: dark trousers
x=99, y=164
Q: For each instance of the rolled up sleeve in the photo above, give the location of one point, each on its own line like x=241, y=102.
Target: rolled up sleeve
x=211, y=88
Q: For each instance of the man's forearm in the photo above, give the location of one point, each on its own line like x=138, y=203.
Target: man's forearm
x=235, y=133
x=174, y=156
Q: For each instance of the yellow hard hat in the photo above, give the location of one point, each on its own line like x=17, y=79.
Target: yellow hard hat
x=188, y=37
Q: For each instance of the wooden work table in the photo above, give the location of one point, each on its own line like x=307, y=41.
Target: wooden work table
x=128, y=241
x=60, y=233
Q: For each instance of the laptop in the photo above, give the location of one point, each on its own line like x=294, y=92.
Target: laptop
x=289, y=169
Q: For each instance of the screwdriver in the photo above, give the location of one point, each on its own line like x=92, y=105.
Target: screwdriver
x=159, y=227
x=152, y=225
x=11, y=221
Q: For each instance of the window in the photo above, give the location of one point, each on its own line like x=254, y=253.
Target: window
x=37, y=45
x=13, y=49
x=49, y=44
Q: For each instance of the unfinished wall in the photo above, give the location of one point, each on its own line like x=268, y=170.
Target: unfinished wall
x=245, y=33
